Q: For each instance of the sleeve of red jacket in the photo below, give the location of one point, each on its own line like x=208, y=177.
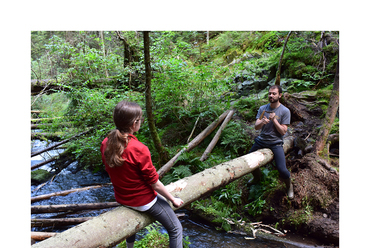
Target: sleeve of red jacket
x=146, y=166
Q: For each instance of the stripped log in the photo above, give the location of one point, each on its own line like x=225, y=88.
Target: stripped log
x=39, y=236
x=217, y=136
x=199, y=138
x=65, y=192
x=114, y=226
x=58, y=222
x=71, y=207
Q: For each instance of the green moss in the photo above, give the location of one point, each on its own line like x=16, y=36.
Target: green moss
x=40, y=175
x=300, y=217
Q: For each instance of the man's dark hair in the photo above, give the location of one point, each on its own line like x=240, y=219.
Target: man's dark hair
x=276, y=87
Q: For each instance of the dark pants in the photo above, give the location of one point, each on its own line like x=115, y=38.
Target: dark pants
x=162, y=212
x=279, y=156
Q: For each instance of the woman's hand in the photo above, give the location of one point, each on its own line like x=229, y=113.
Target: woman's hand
x=177, y=202
x=161, y=189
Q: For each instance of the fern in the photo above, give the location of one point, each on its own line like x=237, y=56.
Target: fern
x=236, y=138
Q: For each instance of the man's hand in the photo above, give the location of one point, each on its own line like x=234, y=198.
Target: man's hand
x=260, y=122
x=265, y=120
x=271, y=116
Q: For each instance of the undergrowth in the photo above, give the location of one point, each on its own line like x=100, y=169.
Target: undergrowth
x=154, y=238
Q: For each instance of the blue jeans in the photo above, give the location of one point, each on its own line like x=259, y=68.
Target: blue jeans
x=162, y=212
x=279, y=156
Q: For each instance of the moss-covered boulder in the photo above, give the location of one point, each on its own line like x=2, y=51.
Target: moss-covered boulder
x=40, y=176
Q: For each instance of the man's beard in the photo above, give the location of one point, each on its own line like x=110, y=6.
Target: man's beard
x=272, y=100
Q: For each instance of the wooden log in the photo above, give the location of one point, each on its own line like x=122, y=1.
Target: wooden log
x=44, y=119
x=329, y=117
x=58, y=222
x=199, y=138
x=71, y=207
x=40, y=125
x=43, y=163
x=37, y=126
x=39, y=236
x=58, y=144
x=65, y=192
x=114, y=226
x=51, y=136
x=36, y=111
x=217, y=136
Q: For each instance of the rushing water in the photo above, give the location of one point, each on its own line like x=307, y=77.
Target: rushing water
x=200, y=235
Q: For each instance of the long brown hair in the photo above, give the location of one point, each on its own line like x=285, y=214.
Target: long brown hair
x=124, y=116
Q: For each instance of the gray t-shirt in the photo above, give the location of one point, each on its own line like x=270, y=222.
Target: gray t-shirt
x=269, y=133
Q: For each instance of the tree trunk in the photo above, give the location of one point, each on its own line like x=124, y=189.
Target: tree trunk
x=329, y=117
x=103, y=49
x=163, y=154
x=114, y=226
x=217, y=136
x=277, y=80
x=199, y=138
x=58, y=222
x=71, y=207
x=65, y=192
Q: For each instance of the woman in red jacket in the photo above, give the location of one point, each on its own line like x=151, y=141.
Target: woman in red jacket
x=134, y=178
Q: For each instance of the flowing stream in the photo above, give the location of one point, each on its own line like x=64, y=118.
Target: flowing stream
x=199, y=234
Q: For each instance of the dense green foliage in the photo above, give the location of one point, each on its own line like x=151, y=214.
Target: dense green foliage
x=191, y=79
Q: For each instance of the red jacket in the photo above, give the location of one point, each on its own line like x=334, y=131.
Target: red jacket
x=132, y=181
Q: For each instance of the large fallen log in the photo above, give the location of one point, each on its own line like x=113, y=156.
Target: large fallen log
x=116, y=225
x=65, y=192
x=217, y=136
x=58, y=222
x=71, y=207
x=199, y=138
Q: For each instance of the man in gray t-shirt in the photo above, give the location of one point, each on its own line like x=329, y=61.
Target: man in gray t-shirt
x=269, y=133
x=273, y=120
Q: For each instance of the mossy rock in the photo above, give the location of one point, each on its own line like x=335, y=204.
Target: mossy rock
x=40, y=176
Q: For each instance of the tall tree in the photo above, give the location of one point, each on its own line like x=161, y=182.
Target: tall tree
x=330, y=115
x=277, y=80
x=103, y=49
x=163, y=154
x=130, y=53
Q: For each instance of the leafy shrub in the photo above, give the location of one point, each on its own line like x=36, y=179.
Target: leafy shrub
x=248, y=107
x=257, y=192
x=154, y=238
x=300, y=85
x=236, y=138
